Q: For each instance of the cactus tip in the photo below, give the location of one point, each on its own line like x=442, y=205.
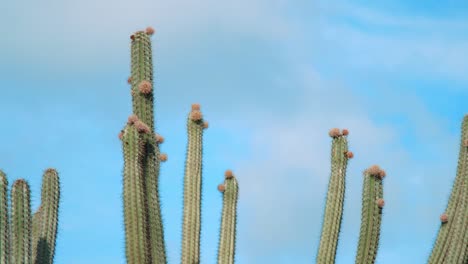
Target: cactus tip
x=132, y=119
x=228, y=174
x=145, y=87
x=221, y=187
x=205, y=124
x=376, y=171
x=345, y=132
x=142, y=127
x=443, y=218
x=334, y=132
x=50, y=170
x=195, y=107
x=163, y=157
x=196, y=115
x=380, y=203
x=150, y=30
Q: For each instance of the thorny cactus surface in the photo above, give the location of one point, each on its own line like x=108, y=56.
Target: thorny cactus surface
x=23, y=238
x=144, y=233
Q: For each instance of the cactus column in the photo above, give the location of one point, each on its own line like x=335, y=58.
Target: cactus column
x=451, y=246
x=335, y=197
x=372, y=204
x=192, y=188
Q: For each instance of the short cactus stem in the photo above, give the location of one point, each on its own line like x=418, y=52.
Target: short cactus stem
x=451, y=241
x=21, y=251
x=4, y=220
x=227, y=237
x=371, y=218
x=335, y=198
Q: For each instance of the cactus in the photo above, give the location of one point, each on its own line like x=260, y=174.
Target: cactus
x=372, y=204
x=451, y=245
x=335, y=197
x=23, y=238
x=227, y=237
x=144, y=233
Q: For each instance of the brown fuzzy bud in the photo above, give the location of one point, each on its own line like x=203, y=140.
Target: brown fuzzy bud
x=465, y=143
x=228, y=174
x=221, y=187
x=376, y=171
x=205, y=124
x=145, y=87
x=132, y=119
x=443, y=218
x=349, y=155
x=334, y=132
x=159, y=139
x=129, y=80
x=132, y=37
x=121, y=134
x=150, y=30
x=163, y=157
x=380, y=202
x=196, y=115
x=195, y=107
x=345, y=132
x=142, y=127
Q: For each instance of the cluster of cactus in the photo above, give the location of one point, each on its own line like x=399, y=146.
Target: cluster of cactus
x=144, y=233
x=451, y=246
x=27, y=238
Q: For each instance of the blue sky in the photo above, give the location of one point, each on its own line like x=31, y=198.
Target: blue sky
x=272, y=78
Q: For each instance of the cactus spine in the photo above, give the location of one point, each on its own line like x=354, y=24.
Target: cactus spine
x=451, y=245
x=25, y=239
x=192, y=188
x=227, y=237
x=372, y=204
x=335, y=197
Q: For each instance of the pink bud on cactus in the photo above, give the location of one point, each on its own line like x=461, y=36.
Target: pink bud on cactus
x=376, y=171
x=444, y=218
x=465, y=143
x=228, y=174
x=159, y=139
x=132, y=119
x=129, y=80
x=195, y=107
x=132, y=37
x=145, y=87
x=196, y=115
x=163, y=157
x=121, y=135
x=205, y=124
x=380, y=203
x=349, y=154
x=142, y=127
x=345, y=132
x=334, y=132
x=150, y=30
x=221, y=188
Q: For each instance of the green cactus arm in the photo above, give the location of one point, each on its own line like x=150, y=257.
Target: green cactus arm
x=451, y=245
x=36, y=227
x=142, y=77
x=335, y=197
x=4, y=220
x=47, y=233
x=372, y=204
x=192, y=189
x=136, y=236
x=227, y=237
x=151, y=164
x=21, y=223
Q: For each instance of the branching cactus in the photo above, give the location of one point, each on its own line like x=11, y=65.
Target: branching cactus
x=372, y=204
x=335, y=197
x=227, y=237
x=22, y=239
x=451, y=245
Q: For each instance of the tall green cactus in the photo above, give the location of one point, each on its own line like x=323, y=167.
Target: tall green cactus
x=372, y=204
x=451, y=245
x=144, y=234
x=335, y=197
x=24, y=239
x=227, y=237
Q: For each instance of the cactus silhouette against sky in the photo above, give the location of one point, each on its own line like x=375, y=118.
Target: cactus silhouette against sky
x=24, y=238
x=144, y=232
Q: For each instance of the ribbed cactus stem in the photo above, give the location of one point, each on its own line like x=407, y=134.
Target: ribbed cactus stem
x=227, y=237
x=21, y=223
x=4, y=221
x=451, y=245
x=50, y=197
x=335, y=198
x=371, y=218
x=142, y=78
x=192, y=190
x=36, y=227
x=136, y=230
